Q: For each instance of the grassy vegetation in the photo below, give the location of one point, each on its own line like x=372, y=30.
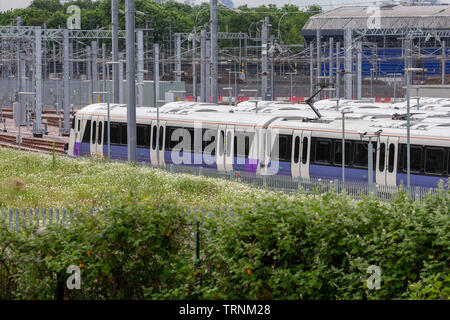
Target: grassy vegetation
x=276, y=246
x=37, y=180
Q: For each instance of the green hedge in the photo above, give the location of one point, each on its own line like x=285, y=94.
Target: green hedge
x=316, y=247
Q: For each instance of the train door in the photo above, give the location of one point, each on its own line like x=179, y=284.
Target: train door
x=100, y=133
x=295, y=158
x=229, y=148
x=220, y=148
x=392, y=153
x=157, y=145
x=93, y=140
x=271, y=166
x=260, y=140
x=387, y=154
x=305, y=154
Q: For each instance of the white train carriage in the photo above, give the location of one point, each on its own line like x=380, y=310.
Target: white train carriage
x=285, y=142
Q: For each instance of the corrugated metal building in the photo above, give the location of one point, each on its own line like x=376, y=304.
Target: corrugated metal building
x=383, y=29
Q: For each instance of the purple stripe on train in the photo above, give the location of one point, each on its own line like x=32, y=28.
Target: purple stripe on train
x=77, y=149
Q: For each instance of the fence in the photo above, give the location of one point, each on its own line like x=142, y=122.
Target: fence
x=288, y=184
x=80, y=92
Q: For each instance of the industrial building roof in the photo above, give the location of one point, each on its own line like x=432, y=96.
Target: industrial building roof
x=391, y=16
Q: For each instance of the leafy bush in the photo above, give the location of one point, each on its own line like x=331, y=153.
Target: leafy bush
x=322, y=248
x=121, y=252
x=305, y=247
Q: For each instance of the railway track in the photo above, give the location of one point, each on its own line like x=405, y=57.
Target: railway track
x=32, y=144
x=50, y=115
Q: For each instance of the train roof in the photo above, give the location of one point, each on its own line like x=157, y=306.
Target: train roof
x=287, y=119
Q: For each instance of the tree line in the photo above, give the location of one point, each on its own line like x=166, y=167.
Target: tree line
x=184, y=17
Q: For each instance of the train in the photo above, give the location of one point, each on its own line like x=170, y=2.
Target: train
x=281, y=139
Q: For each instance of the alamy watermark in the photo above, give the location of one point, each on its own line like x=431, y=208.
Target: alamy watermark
x=74, y=280
x=374, y=280
x=74, y=21
x=374, y=20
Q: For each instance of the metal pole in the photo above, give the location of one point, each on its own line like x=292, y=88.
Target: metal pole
x=121, y=78
x=140, y=65
x=89, y=73
x=115, y=51
x=343, y=146
x=94, y=70
x=330, y=62
x=348, y=63
x=338, y=69
x=229, y=86
x=214, y=52
x=203, y=66
x=235, y=85
x=311, y=70
x=194, y=69
x=443, y=63
x=104, y=69
x=318, y=62
x=208, y=72
x=272, y=73
x=22, y=86
x=291, y=87
x=109, y=124
x=408, y=133
x=264, y=45
x=178, y=57
x=170, y=41
x=156, y=94
x=359, y=71
x=370, y=161
x=131, y=80
x=37, y=128
x=66, y=83
x=156, y=76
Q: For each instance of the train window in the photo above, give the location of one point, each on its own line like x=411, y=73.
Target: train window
x=338, y=152
x=305, y=150
x=382, y=157
x=209, y=138
x=105, y=133
x=248, y=142
x=115, y=134
x=154, y=133
x=73, y=123
x=171, y=144
x=161, y=137
x=94, y=131
x=391, y=157
x=434, y=160
x=123, y=134
x=296, y=149
x=448, y=163
x=285, y=148
x=361, y=152
x=79, y=125
x=323, y=151
x=242, y=144
x=100, y=130
x=239, y=148
x=87, y=132
x=416, y=158
x=143, y=136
